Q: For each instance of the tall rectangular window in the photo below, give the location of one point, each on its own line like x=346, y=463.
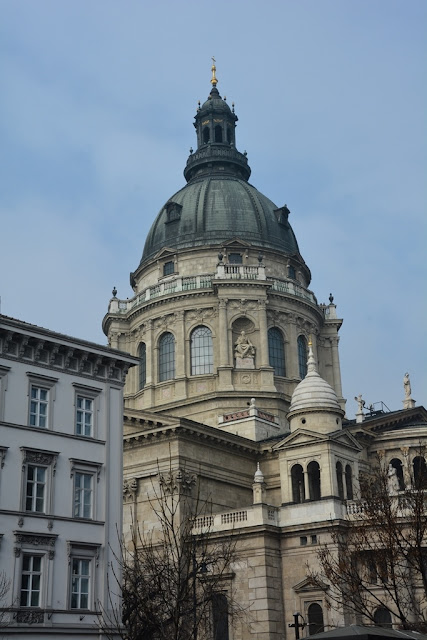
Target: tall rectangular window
x=83, y=495
x=31, y=581
x=84, y=416
x=35, y=493
x=80, y=583
x=39, y=406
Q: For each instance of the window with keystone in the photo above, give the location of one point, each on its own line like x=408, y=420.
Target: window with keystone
x=276, y=351
x=201, y=351
x=166, y=357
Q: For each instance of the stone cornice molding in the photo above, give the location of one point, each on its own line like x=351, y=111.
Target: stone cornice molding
x=186, y=429
x=22, y=342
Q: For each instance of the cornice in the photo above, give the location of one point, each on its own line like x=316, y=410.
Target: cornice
x=54, y=353
x=187, y=429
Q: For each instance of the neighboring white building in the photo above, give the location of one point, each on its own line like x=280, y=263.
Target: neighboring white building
x=61, y=408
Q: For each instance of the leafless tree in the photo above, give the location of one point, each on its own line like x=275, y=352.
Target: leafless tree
x=4, y=609
x=378, y=556
x=176, y=580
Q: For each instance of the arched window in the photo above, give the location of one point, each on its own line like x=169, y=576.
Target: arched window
x=302, y=356
x=382, y=618
x=218, y=133
x=220, y=616
x=142, y=352
x=315, y=619
x=420, y=472
x=349, y=482
x=298, y=490
x=339, y=480
x=313, y=471
x=276, y=351
x=229, y=135
x=206, y=135
x=291, y=272
x=397, y=464
x=166, y=357
x=201, y=351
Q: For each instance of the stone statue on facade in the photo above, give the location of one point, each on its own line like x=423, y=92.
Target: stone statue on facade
x=392, y=480
x=244, y=347
x=408, y=402
x=360, y=404
x=407, y=385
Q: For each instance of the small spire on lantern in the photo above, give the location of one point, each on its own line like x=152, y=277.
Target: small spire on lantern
x=214, y=80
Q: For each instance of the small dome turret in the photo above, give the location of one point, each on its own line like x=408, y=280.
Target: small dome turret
x=314, y=396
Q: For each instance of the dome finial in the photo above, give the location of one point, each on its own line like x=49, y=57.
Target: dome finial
x=214, y=80
x=311, y=362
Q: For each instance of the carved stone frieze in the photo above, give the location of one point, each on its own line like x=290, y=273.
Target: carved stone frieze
x=38, y=349
x=30, y=456
x=30, y=617
x=130, y=489
x=180, y=481
x=35, y=539
x=22, y=346
x=202, y=314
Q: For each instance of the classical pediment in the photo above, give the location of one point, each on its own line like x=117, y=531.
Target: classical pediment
x=300, y=437
x=304, y=437
x=307, y=585
x=236, y=242
x=165, y=252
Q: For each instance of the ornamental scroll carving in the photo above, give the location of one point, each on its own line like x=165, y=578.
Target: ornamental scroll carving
x=30, y=617
x=46, y=542
x=30, y=456
x=180, y=481
x=130, y=489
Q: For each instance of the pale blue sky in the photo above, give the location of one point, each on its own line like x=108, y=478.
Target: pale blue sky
x=96, y=109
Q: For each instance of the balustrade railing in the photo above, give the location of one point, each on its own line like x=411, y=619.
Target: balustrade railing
x=204, y=281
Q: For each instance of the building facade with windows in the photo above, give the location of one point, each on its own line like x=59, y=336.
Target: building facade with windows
x=239, y=367
x=61, y=404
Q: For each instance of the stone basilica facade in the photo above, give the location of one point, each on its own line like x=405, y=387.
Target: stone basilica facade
x=239, y=383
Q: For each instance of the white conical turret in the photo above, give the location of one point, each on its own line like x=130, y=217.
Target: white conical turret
x=314, y=404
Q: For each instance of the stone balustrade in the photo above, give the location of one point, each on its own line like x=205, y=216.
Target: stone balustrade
x=205, y=281
x=252, y=516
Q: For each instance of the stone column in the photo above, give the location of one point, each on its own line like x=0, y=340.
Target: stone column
x=223, y=334
x=149, y=353
x=306, y=485
x=336, y=366
x=292, y=352
x=180, y=345
x=262, y=315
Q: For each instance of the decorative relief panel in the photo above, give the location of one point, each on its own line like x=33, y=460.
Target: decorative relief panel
x=130, y=489
x=180, y=481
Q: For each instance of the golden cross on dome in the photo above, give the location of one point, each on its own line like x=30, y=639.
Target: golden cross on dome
x=214, y=80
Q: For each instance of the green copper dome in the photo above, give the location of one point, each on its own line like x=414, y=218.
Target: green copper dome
x=218, y=204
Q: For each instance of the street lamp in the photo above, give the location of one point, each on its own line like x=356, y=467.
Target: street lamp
x=297, y=624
